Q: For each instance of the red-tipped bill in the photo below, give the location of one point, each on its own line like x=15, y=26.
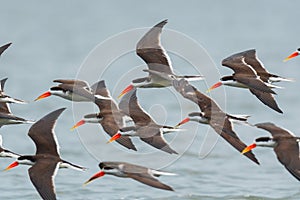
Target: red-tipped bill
x=126, y=90
x=44, y=95
x=185, y=120
x=114, y=137
x=81, y=122
x=291, y=56
x=218, y=84
x=248, y=148
x=12, y=165
x=98, y=175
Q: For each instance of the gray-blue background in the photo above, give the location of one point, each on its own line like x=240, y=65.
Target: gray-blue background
x=51, y=40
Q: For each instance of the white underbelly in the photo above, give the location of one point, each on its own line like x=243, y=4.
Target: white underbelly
x=235, y=84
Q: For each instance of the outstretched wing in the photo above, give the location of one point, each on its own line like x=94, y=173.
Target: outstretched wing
x=149, y=180
x=42, y=133
x=274, y=130
x=252, y=60
x=143, y=175
x=266, y=98
x=287, y=151
x=149, y=48
x=4, y=47
x=42, y=176
x=153, y=136
x=225, y=130
x=205, y=103
x=130, y=106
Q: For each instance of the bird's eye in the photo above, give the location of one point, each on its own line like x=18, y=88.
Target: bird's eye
x=298, y=49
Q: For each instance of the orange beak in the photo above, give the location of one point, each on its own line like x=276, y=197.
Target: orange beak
x=44, y=95
x=12, y=165
x=185, y=120
x=98, y=175
x=114, y=137
x=81, y=122
x=248, y=148
x=291, y=56
x=126, y=90
x=218, y=84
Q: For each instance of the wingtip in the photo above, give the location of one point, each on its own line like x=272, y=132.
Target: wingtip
x=278, y=110
x=162, y=23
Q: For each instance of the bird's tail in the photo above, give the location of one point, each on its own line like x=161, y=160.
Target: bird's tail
x=275, y=78
x=191, y=78
x=240, y=119
x=159, y=173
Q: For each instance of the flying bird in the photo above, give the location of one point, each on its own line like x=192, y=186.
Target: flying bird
x=160, y=68
x=73, y=90
x=245, y=75
x=126, y=170
x=253, y=61
x=285, y=145
x=212, y=114
x=46, y=161
x=109, y=116
x=145, y=127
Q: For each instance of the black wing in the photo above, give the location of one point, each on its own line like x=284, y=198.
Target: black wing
x=149, y=48
x=239, y=66
x=130, y=106
x=266, y=98
x=224, y=128
x=142, y=174
x=274, y=130
x=254, y=83
x=149, y=180
x=111, y=127
x=287, y=151
x=43, y=135
x=252, y=59
x=205, y=103
x=99, y=88
x=42, y=176
x=2, y=84
x=154, y=137
x=4, y=47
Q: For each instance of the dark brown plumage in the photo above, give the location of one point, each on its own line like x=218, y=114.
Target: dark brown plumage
x=4, y=47
x=141, y=174
x=160, y=69
x=47, y=160
x=145, y=127
x=285, y=146
x=244, y=65
x=109, y=116
x=211, y=114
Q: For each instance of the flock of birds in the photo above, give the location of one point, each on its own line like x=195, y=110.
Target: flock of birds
x=249, y=73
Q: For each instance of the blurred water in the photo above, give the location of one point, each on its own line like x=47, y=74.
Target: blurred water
x=51, y=40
